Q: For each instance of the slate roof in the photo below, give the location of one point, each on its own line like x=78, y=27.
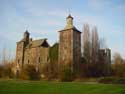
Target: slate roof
x=73, y=28
x=69, y=16
x=36, y=43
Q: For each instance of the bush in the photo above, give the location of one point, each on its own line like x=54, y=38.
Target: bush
x=120, y=81
x=6, y=71
x=29, y=72
x=24, y=74
x=112, y=80
x=1, y=71
x=66, y=75
x=106, y=80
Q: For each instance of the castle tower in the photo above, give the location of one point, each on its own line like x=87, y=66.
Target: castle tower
x=21, y=48
x=70, y=46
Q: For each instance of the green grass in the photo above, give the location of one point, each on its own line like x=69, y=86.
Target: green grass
x=44, y=87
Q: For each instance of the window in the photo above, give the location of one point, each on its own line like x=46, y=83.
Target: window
x=28, y=61
x=39, y=60
x=18, y=61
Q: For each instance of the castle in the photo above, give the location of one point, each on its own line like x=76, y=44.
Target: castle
x=30, y=51
x=36, y=52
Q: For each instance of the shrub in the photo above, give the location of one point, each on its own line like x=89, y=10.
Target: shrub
x=7, y=72
x=120, y=81
x=66, y=75
x=1, y=71
x=24, y=74
x=29, y=72
x=112, y=80
x=106, y=80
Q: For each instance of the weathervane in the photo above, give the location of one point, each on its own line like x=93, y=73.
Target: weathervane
x=69, y=10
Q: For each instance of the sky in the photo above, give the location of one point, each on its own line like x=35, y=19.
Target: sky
x=44, y=18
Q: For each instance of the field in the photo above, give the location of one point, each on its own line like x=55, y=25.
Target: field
x=45, y=87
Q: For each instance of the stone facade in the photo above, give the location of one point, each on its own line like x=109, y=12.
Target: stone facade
x=70, y=46
x=30, y=51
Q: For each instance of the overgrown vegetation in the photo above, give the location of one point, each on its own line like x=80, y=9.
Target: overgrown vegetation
x=118, y=66
x=53, y=53
x=6, y=70
x=65, y=75
x=53, y=65
x=29, y=72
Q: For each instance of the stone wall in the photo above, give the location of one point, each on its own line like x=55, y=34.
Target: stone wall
x=70, y=49
x=31, y=55
x=37, y=55
x=65, y=51
x=76, y=50
x=20, y=53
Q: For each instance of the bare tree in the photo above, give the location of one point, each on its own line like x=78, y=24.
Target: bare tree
x=117, y=59
x=4, y=55
x=118, y=65
x=95, y=45
x=86, y=43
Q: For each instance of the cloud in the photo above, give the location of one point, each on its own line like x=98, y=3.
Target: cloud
x=108, y=6
x=99, y=4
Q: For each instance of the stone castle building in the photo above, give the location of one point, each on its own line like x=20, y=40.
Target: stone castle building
x=32, y=51
x=36, y=52
x=70, y=46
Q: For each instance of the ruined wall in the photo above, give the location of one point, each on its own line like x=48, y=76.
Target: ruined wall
x=20, y=53
x=36, y=55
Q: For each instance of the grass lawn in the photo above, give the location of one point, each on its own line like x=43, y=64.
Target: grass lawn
x=44, y=87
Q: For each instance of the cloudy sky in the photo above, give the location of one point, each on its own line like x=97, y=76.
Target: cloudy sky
x=44, y=18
